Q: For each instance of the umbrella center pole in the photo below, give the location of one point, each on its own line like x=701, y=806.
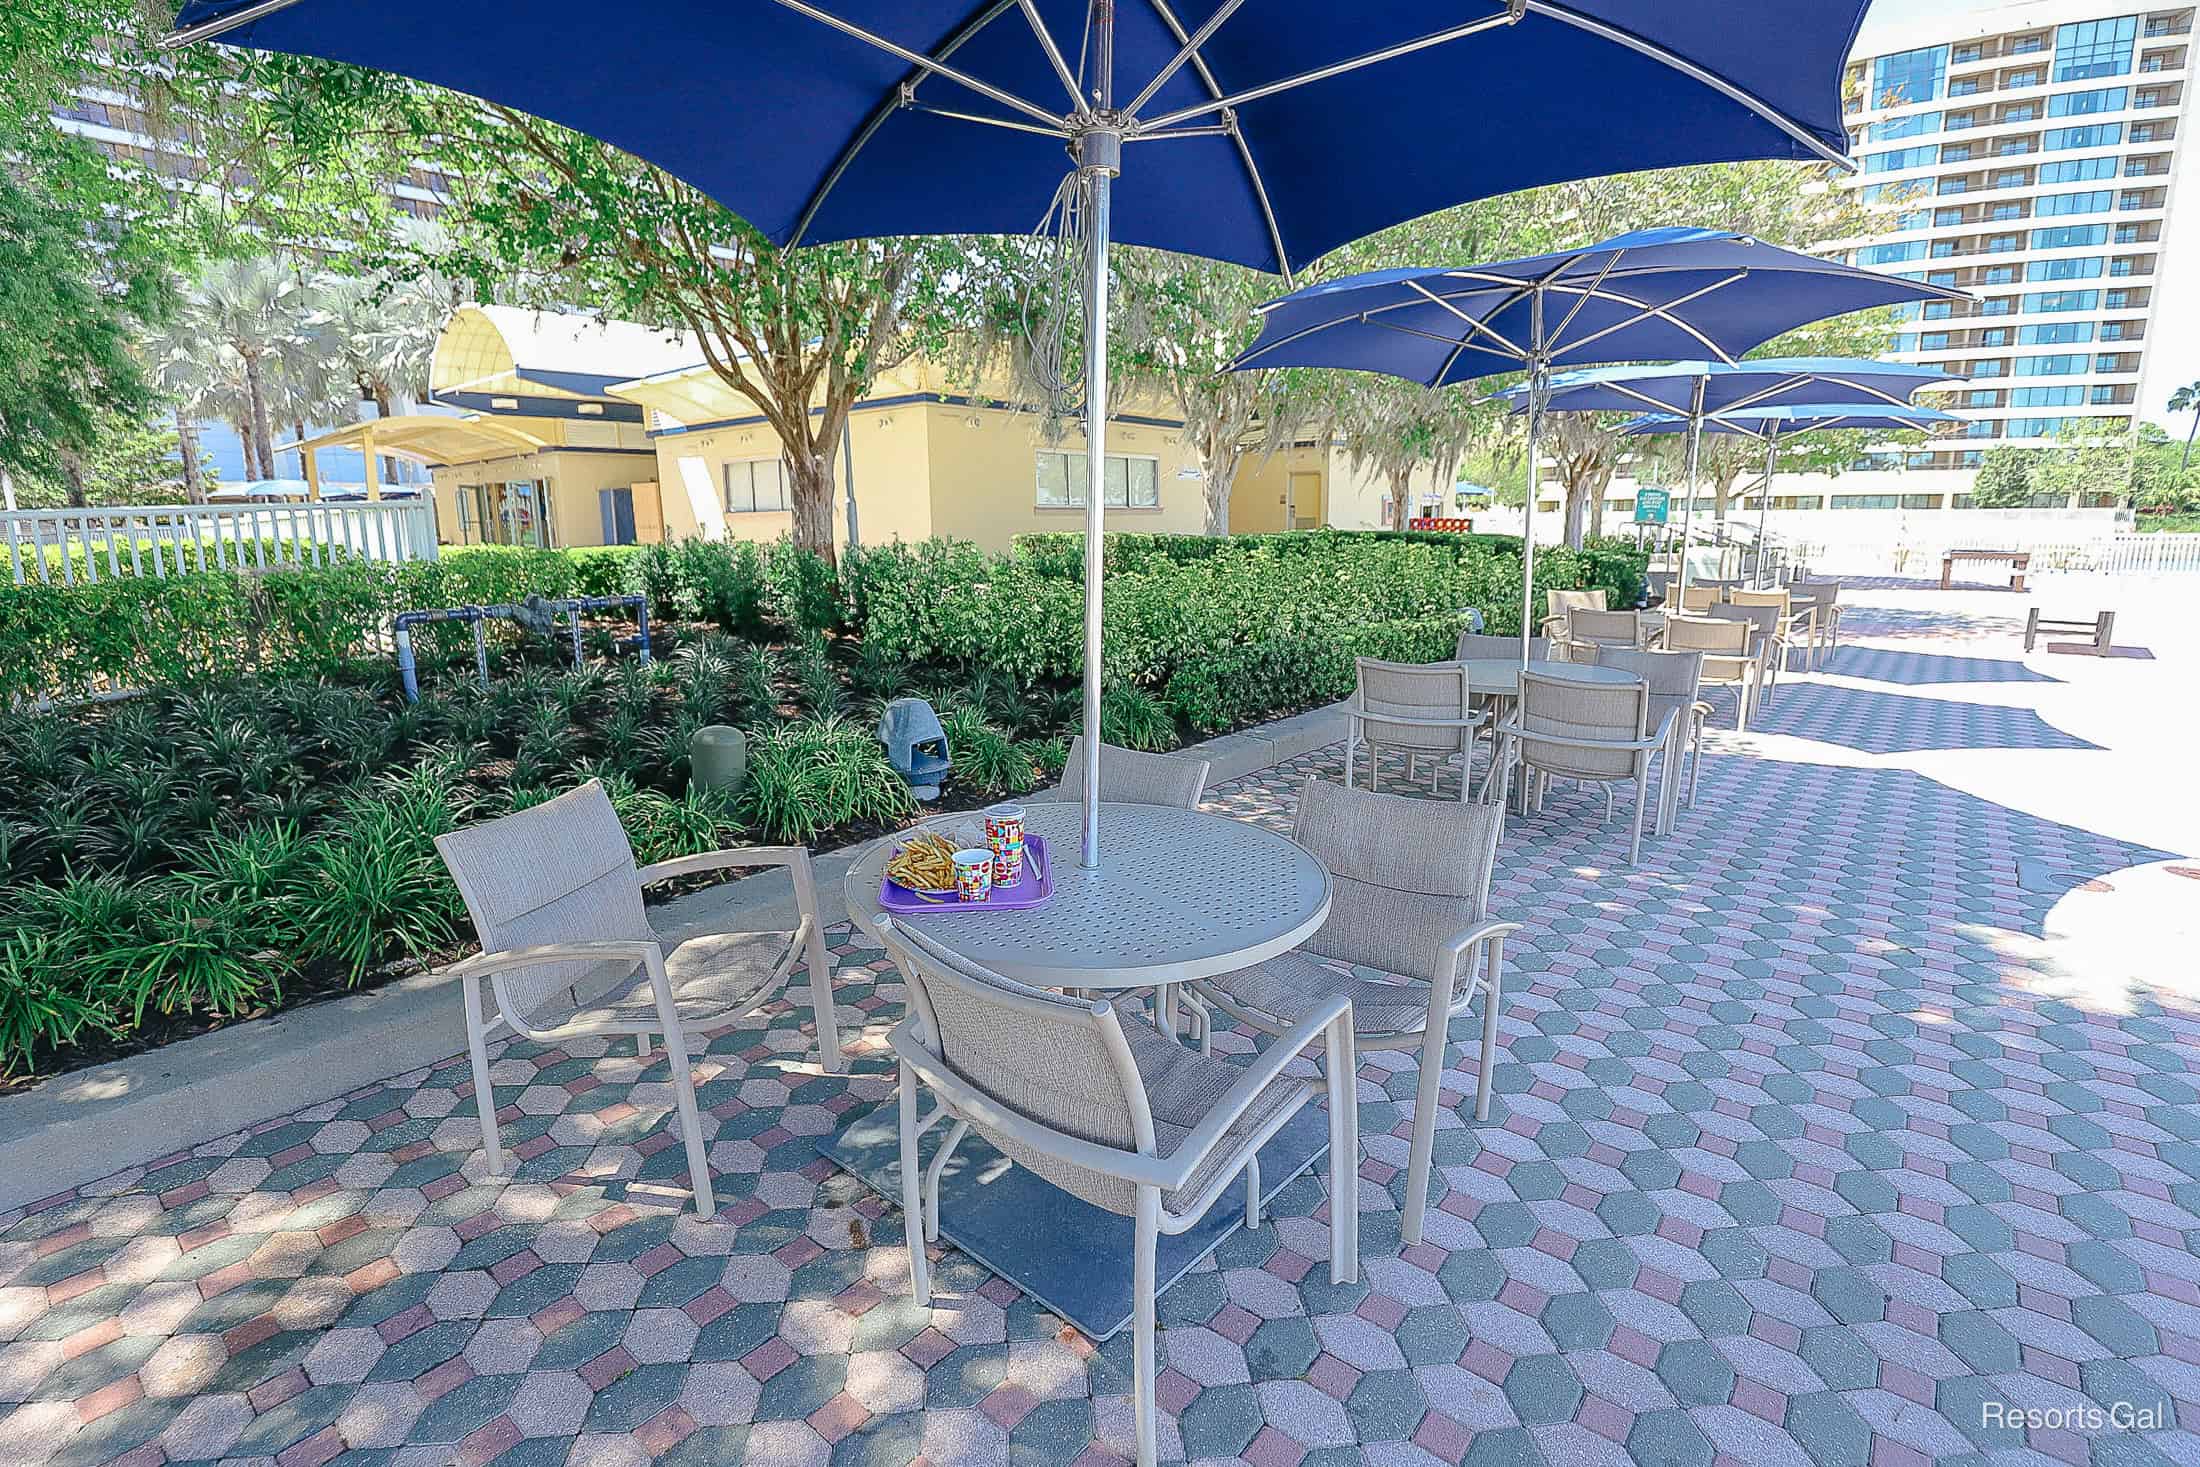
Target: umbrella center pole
x=1688, y=510
x=1099, y=159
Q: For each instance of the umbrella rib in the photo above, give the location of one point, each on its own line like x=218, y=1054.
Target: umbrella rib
x=221, y=25
x=1324, y=73
x=1054, y=53
x=932, y=65
x=1610, y=261
x=1008, y=122
x=1663, y=313
x=1682, y=64
x=1187, y=49
x=1474, y=325
x=1245, y=150
x=887, y=107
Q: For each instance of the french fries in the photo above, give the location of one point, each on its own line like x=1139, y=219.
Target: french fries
x=926, y=863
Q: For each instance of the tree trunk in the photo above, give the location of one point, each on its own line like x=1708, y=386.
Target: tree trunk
x=263, y=432
x=1596, y=514
x=2185, y=461
x=72, y=469
x=1577, y=502
x=379, y=393
x=1221, y=470
x=299, y=425
x=1401, y=494
x=187, y=445
x=810, y=495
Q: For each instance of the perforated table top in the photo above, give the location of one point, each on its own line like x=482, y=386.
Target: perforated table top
x=1179, y=895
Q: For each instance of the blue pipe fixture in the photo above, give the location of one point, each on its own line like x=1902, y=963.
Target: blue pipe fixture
x=534, y=614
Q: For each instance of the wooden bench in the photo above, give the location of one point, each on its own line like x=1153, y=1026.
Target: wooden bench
x=2019, y=562
x=2098, y=632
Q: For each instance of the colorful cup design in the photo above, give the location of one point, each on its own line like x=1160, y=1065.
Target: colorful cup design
x=973, y=875
x=1004, y=833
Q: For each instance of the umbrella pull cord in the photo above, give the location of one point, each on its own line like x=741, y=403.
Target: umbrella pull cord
x=1051, y=313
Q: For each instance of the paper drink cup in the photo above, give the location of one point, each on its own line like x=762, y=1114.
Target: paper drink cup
x=973, y=875
x=1004, y=832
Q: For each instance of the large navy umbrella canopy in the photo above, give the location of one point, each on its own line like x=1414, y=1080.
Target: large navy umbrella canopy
x=1651, y=294
x=798, y=126
x=1756, y=382
x=1782, y=422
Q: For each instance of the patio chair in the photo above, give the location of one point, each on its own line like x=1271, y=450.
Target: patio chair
x=1557, y=603
x=1728, y=659
x=1419, y=707
x=1129, y=777
x=1764, y=625
x=1673, y=679
x=1698, y=597
x=1476, y=645
x=1410, y=886
x=1825, y=598
x=1588, y=630
x=1104, y=1107
x=566, y=950
x=1592, y=732
x=1795, y=626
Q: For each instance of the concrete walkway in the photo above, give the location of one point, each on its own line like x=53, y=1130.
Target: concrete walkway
x=1859, y=1125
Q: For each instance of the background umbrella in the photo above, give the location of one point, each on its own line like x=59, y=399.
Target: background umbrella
x=1262, y=134
x=1692, y=390
x=1776, y=424
x=1654, y=294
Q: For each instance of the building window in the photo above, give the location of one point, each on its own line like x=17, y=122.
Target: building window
x=2089, y=48
x=2089, y=201
x=1921, y=156
x=1889, y=254
x=2001, y=275
x=2083, y=267
x=756, y=486
x=2081, y=104
x=2091, y=135
x=1917, y=125
x=2069, y=236
x=1867, y=501
x=2065, y=364
x=2055, y=333
x=2030, y=77
x=2077, y=170
x=1909, y=76
x=1134, y=482
x=2019, y=112
x=2046, y=397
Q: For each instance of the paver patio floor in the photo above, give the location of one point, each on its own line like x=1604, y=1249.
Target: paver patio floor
x=1812, y=1144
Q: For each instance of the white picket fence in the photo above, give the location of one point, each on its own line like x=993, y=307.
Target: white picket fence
x=2107, y=555
x=71, y=545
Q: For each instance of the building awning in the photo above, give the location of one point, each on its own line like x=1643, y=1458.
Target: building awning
x=489, y=352
x=432, y=438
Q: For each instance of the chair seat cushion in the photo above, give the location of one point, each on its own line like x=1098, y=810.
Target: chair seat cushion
x=1285, y=988
x=715, y=977
x=1183, y=1087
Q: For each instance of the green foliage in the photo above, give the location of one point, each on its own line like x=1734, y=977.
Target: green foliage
x=814, y=774
x=724, y=582
x=801, y=589
x=374, y=887
x=2004, y=478
x=986, y=759
x=1254, y=680
x=1133, y=718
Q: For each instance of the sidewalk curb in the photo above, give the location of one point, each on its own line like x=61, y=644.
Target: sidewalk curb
x=91, y=1123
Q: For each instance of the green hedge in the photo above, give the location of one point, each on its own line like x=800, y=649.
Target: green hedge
x=1252, y=680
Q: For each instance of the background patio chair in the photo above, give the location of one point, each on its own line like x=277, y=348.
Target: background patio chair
x=1676, y=707
x=1110, y=1111
x=1764, y=625
x=1795, y=625
x=1592, y=732
x=1474, y=645
x=1824, y=598
x=1729, y=660
x=1557, y=603
x=1420, y=708
x=1130, y=777
x=566, y=949
x=1410, y=886
x=1587, y=630
x=1698, y=597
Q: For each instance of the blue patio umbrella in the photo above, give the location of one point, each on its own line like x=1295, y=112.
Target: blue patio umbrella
x=1653, y=294
x=1775, y=425
x=1264, y=134
x=1691, y=390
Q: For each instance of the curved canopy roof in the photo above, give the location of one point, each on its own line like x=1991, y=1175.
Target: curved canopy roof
x=430, y=438
x=512, y=351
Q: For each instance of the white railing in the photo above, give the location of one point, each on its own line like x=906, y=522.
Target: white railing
x=2109, y=555
x=72, y=545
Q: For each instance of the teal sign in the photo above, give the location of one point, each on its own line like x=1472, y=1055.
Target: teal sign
x=1651, y=506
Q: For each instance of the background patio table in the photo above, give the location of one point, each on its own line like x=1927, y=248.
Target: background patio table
x=1500, y=676
x=1184, y=895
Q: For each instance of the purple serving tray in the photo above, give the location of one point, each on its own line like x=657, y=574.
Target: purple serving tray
x=1029, y=890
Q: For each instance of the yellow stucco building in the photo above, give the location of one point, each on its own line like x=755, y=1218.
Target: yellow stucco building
x=566, y=430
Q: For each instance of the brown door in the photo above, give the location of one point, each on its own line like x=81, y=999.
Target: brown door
x=649, y=514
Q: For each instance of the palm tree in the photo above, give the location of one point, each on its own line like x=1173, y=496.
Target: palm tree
x=256, y=308
x=381, y=333
x=2186, y=399
x=178, y=363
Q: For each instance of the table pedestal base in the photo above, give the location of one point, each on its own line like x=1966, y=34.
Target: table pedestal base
x=1067, y=1254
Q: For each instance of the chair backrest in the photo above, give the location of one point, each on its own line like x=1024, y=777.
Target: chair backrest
x=1406, y=874
x=1489, y=644
x=1130, y=777
x=1558, y=603
x=1673, y=678
x=1062, y=1062
x=1764, y=619
x=1707, y=634
x=1419, y=690
x=1825, y=593
x=561, y=871
x=1699, y=597
x=1611, y=712
x=1776, y=598
x=1586, y=625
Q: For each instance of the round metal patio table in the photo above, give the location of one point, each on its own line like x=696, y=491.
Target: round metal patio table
x=1180, y=895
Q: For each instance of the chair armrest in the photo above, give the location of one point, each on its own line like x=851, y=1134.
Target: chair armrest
x=724, y=859
x=484, y=965
x=1456, y=947
x=1514, y=730
x=1267, y=1065
x=1470, y=720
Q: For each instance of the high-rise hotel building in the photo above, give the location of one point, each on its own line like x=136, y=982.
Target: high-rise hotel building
x=2035, y=155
